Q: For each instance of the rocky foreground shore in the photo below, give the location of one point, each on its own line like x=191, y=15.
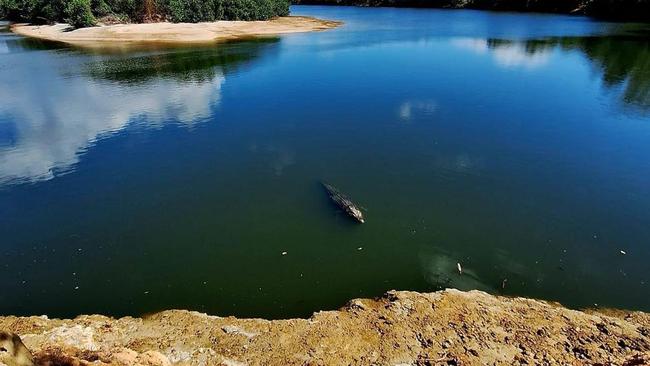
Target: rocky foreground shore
x=401, y=328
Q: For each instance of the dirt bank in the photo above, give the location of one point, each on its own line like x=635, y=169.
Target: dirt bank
x=401, y=328
x=172, y=32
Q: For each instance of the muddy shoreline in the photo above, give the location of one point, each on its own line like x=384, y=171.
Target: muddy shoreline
x=448, y=327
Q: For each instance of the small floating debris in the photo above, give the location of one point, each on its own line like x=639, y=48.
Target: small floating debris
x=623, y=252
x=284, y=253
x=360, y=248
x=460, y=269
x=344, y=203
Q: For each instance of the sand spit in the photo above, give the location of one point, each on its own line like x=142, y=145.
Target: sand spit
x=174, y=33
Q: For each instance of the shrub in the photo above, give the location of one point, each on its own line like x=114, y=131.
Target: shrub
x=620, y=9
x=78, y=14
x=100, y=8
x=254, y=9
x=53, y=10
x=188, y=10
x=130, y=8
x=23, y=10
x=3, y=10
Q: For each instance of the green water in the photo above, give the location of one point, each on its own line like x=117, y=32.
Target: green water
x=140, y=179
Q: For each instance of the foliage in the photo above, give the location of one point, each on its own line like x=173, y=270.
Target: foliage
x=192, y=11
x=607, y=9
x=20, y=9
x=100, y=8
x=82, y=13
x=620, y=9
x=209, y=10
x=129, y=8
x=78, y=14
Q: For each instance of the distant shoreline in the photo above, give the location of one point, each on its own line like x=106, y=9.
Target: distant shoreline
x=172, y=33
x=599, y=9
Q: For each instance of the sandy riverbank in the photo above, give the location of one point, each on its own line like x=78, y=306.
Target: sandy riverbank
x=173, y=32
x=401, y=328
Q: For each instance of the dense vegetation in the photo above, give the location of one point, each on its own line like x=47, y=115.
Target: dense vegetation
x=82, y=13
x=611, y=9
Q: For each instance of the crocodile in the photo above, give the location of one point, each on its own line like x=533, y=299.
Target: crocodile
x=344, y=203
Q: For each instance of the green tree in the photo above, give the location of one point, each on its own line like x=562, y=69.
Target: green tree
x=79, y=14
x=82, y=13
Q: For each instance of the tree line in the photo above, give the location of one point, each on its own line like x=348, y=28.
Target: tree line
x=84, y=13
x=607, y=9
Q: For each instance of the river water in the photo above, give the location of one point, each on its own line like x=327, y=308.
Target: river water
x=147, y=178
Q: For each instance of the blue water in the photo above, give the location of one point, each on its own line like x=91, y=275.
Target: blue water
x=146, y=178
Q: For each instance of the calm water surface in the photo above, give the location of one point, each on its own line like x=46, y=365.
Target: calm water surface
x=134, y=180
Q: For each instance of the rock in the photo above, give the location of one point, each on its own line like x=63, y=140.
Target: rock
x=232, y=329
x=129, y=357
x=153, y=358
x=446, y=327
x=125, y=356
x=357, y=304
x=229, y=362
x=13, y=352
x=75, y=335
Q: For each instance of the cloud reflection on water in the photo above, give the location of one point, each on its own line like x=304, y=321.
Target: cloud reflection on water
x=408, y=108
x=622, y=61
x=505, y=55
x=51, y=136
x=56, y=105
